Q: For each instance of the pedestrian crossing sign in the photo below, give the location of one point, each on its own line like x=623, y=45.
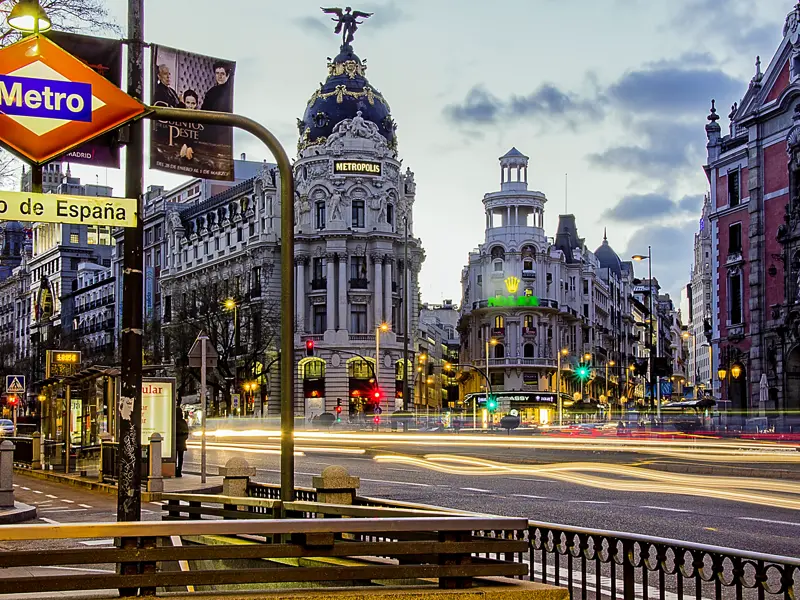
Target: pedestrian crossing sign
x=15, y=384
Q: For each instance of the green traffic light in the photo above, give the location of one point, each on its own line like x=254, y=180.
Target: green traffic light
x=583, y=372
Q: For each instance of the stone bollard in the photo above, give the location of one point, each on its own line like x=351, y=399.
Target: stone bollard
x=236, y=475
x=155, y=482
x=104, y=438
x=36, y=451
x=336, y=486
x=7, y=474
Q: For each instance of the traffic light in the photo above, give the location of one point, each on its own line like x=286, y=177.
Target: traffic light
x=309, y=347
x=582, y=372
x=491, y=403
x=377, y=395
x=12, y=400
x=376, y=420
x=339, y=410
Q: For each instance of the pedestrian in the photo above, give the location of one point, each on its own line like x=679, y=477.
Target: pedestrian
x=181, y=437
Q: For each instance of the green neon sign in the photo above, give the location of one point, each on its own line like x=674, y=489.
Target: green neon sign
x=513, y=301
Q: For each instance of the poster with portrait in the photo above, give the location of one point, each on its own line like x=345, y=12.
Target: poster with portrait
x=186, y=80
x=104, y=56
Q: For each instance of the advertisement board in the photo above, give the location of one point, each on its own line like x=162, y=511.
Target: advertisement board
x=158, y=412
x=185, y=80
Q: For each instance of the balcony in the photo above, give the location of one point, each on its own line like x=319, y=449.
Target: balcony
x=528, y=274
x=529, y=332
x=543, y=303
x=359, y=284
x=734, y=257
x=517, y=361
x=498, y=332
x=319, y=283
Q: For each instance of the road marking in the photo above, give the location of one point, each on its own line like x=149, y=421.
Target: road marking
x=37, y=492
x=82, y=570
x=531, y=497
x=396, y=482
x=481, y=490
x=27, y=489
x=108, y=542
x=795, y=523
x=587, y=502
x=68, y=501
x=16, y=485
x=158, y=503
x=710, y=528
x=53, y=497
x=84, y=505
x=50, y=521
x=403, y=470
x=677, y=510
x=52, y=510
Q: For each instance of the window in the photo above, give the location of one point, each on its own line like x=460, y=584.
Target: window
x=586, y=310
x=358, y=213
x=228, y=239
x=499, y=322
x=527, y=265
x=239, y=235
x=216, y=243
x=496, y=218
x=358, y=267
x=527, y=322
x=734, y=195
x=585, y=286
x=500, y=351
x=480, y=279
x=205, y=248
x=498, y=380
x=319, y=318
x=252, y=230
x=196, y=253
x=358, y=318
x=158, y=232
x=318, y=268
x=167, y=309
x=527, y=351
x=255, y=282
x=320, y=215
x=390, y=214
x=498, y=266
x=735, y=239
x=91, y=235
x=74, y=238
x=735, y=292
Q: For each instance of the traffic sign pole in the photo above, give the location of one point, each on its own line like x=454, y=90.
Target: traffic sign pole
x=129, y=499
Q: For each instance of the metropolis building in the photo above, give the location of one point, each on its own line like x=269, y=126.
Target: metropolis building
x=353, y=203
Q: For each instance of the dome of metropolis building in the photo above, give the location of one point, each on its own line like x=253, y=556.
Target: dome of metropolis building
x=608, y=258
x=345, y=93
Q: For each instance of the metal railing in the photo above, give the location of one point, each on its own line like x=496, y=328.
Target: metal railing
x=109, y=462
x=594, y=562
x=452, y=550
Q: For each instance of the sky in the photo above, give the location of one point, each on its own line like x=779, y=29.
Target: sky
x=613, y=94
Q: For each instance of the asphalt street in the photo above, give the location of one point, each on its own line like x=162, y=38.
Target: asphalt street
x=698, y=519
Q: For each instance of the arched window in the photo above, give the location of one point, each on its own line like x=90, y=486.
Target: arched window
x=500, y=351
x=498, y=258
x=320, y=214
x=390, y=214
x=527, y=351
x=499, y=322
x=527, y=322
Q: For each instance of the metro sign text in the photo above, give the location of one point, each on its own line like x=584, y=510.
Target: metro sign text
x=29, y=97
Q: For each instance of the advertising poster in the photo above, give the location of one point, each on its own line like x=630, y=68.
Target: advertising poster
x=158, y=412
x=186, y=80
x=104, y=56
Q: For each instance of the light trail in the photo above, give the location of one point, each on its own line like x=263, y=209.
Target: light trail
x=746, y=490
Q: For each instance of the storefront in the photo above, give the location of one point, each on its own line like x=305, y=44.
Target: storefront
x=533, y=408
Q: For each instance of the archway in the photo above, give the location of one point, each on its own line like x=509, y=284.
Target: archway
x=738, y=393
x=311, y=371
x=361, y=387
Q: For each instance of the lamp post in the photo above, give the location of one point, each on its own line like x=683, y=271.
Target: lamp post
x=562, y=352
x=449, y=366
x=382, y=328
x=609, y=363
x=653, y=384
x=492, y=342
x=29, y=17
x=406, y=313
x=231, y=304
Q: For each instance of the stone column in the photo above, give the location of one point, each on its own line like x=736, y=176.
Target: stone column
x=155, y=483
x=236, y=475
x=343, y=320
x=377, y=287
x=36, y=448
x=387, y=293
x=300, y=301
x=335, y=486
x=7, y=474
x=331, y=287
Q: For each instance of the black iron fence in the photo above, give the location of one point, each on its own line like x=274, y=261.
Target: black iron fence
x=109, y=465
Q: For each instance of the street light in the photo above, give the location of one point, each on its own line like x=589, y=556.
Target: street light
x=382, y=328
x=493, y=342
x=609, y=363
x=562, y=352
x=736, y=370
x=28, y=16
x=231, y=304
x=655, y=389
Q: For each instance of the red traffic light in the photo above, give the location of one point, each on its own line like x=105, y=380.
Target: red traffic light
x=338, y=409
x=377, y=395
x=377, y=420
x=12, y=400
x=309, y=347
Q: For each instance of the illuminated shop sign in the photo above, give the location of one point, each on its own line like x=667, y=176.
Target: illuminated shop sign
x=356, y=167
x=514, y=301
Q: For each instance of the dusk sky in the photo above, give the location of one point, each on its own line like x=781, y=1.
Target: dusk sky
x=613, y=92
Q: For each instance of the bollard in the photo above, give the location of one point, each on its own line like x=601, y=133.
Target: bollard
x=236, y=475
x=104, y=437
x=7, y=474
x=36, y=450
x=335, y=486
x=155, y=483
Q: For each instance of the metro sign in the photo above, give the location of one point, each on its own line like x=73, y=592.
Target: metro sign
x=51, y=102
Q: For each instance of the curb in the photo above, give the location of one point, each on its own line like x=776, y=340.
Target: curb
x=21, y=512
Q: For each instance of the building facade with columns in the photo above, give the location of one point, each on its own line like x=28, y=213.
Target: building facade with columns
x=353, y=204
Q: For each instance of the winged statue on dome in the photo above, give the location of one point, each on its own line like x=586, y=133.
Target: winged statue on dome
x=346, y=21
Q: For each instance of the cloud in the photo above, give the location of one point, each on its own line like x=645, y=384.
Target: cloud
x=312, y=25
x=387, y=14
x=479, y=106
x=673, y=251
x=647, y=208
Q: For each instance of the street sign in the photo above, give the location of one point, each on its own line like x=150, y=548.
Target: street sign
x=195, y=354
x=15, y=384
x=235, y=399
x=62, y=363
x=61, y=208
x=51, y=102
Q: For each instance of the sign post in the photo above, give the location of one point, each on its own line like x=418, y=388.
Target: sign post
x=203, y=355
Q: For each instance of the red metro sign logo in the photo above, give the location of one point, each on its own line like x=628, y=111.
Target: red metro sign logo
x=51, y=102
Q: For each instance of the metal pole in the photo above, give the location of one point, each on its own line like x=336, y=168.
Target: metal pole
x=235, y=352
x=406, y=312
x=377, y=354
x=67, y=429
x=129, y=501
x=558, y=392
x=204, y=405
x=287, y=268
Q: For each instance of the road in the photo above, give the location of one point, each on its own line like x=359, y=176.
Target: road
x=700, y=518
